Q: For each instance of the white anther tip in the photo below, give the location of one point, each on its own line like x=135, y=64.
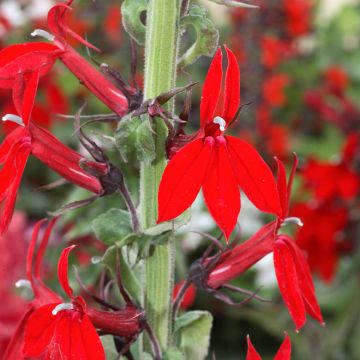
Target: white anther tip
x=221, y=122
x=14, y=118
x=61, y=307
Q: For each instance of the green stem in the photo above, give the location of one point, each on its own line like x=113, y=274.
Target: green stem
x=160, y=72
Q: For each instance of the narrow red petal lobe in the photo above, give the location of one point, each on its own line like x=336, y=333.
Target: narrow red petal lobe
x=282, y=187
x=288, y=282
x=63, y=270
x=252, y=354
x=254, y=176
x=232, y=87
x=284, y=352
x=24, y=93
x=221, y=192
x=183, y=177
x=57, y=24
x=10, y=178
x=211, y=90
x=305, y=281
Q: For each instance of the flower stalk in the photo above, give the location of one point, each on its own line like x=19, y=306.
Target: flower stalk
x=160, y=73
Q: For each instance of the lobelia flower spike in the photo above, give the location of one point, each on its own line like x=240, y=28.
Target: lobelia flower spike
x=291, y=268
x=284, y=352
x=217, y=163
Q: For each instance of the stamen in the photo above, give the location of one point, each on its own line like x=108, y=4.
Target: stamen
x=42, y=33
x=14, y=118
x=23, y=283
x=221, y=122
x=61, y=307
x=293, y=220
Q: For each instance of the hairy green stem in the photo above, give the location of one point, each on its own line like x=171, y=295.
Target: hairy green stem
x=160, y=71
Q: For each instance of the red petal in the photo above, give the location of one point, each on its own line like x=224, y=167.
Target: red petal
x=39, y=331
x=13, y=350
x=284, y=352
x=57, y=24
x=24, y=93
x=9, y=142
x=26, y=58
x=13, y=52
x=237, y=260
x=10, y=177
x=254, y=176
x=232, y=87
x=282, y=187
x=42, y=293
x=183, y=177
x=65, y=161
x=85, y=342
x=43, y=246
x=211, y=90
x=305, y=281
x=63, y=271
x=252, y=354
x=288, y=282
x=291, y=179
x=221, y=192
x=31, y=251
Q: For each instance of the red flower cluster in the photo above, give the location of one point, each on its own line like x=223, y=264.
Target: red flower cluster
x=330, y=102
x=217, y=163
x=333, y=188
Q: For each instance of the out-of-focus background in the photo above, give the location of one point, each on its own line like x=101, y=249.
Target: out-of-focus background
x=300, y=87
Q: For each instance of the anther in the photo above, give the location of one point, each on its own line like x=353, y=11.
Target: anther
x=221, y=122
x=293, y=220
x=14, y=118
x=61, y=307
x=42, y=33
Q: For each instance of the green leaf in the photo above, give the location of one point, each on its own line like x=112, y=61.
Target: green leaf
x=131, y=282
x=132, y=11
x=112, y=226
x=135, y=136
x=125, y=137
x=109, y=347
x=207, y=35
x=173, y=353
x=145, y=142
x=193, y=333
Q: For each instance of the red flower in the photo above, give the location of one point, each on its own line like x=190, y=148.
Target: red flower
x=18, y=63
x=65, y=330
x=292, y=271
x=284, y=352
x=319, y=176
x=336, y=80
x=273, y=89
x=298, y=16
x=95, y=81
x=62, y=330
x=273, y=51
x=29, y=138
x=322, y=235
x=216, y=162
